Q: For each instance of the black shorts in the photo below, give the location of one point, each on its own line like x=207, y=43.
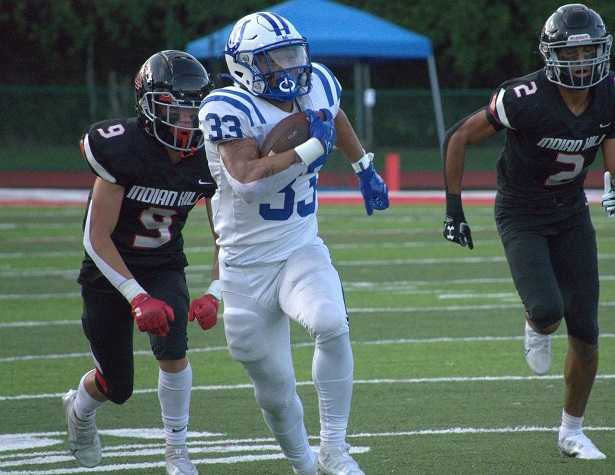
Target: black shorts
x=108, y=324
x=554, y=266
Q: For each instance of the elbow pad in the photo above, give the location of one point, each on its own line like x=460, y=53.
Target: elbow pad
x=258, y=189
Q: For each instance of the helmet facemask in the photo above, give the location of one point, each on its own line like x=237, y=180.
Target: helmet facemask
x=280, y=72
x=563, y=68
x=175, y=123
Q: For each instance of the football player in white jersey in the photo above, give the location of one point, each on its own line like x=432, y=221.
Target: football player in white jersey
x=273, y=265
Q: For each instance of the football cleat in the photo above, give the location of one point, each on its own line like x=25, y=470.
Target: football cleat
x=83, y=439
x=312, y=470
x=178, y=461
x=337, y=461
x=537, y=350
x=579, y=446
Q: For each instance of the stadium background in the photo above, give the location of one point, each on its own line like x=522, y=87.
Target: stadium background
x=68, y=63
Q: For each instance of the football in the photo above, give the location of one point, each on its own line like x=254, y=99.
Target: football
x=288, y=133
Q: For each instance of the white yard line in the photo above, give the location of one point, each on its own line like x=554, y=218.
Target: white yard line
x=214, y=349
x=231, y=387
x=353, y=311
x=48, y=272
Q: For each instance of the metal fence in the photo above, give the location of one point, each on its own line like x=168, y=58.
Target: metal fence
x=57, y=115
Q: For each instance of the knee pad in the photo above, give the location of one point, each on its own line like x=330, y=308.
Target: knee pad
x=545, y=314
x=328, y=323
x=117, y=390
x=274, y=384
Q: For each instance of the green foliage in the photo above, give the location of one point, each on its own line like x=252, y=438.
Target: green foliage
x=478, y=43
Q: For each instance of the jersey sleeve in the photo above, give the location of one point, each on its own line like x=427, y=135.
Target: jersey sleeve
x=500, y=112
x=229, y=114
x=326, y=89
x=511, y=105
x=105, y=148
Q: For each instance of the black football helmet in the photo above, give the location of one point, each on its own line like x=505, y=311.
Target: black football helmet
x=169, y=89
x=571, y=26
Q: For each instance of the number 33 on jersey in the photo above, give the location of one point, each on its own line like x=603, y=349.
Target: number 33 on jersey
x=269, y=230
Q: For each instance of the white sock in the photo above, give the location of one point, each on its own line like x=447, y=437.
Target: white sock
x=570, y=425
x=174, y=395
x=85, y=405
x=332, y=372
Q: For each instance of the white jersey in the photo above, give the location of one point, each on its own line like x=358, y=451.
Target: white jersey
x=270, y=230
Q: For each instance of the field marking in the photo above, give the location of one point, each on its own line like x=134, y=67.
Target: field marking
x=351, y=311
x=213, y=349
x=71, y=273
x=231, y=387
x=229, y=445
x=349, y=286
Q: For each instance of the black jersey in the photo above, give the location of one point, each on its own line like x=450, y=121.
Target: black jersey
x=158, y=195
x=548, y=149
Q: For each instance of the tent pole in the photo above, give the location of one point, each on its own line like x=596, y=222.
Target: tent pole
x=358, y=100
x=437, y=100
x=369, y=118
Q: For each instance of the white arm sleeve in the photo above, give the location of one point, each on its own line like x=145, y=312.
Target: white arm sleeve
x=259, y=189
x=129, y=288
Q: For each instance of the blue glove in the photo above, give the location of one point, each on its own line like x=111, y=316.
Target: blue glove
x=373, y=188
x=323, y=130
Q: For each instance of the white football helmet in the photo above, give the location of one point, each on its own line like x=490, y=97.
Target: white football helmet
x=266, y=54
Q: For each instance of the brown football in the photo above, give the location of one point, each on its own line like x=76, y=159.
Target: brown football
x=288, y=133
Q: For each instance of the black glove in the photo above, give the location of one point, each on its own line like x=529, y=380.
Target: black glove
x=456, y=229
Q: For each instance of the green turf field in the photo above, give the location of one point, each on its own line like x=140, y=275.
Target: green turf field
x=441, y=383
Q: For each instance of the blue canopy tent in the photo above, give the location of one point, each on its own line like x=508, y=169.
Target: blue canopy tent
x=341, y=33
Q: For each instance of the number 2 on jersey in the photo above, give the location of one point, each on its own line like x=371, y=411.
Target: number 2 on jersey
x=566, y=176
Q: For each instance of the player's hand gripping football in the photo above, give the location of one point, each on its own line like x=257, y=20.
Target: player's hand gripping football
x=608, y=198
x=322, y=129
x=456, y=228
x=152, y=315
x=373, y=188
x=205, y=311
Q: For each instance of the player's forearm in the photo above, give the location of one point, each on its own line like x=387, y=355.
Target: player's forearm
x=454, y=164
x=253, y=170
x=106, y=251
x=347, y=141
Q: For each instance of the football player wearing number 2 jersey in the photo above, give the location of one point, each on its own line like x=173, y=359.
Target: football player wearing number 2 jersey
x=273, y=265
x=151, y=171
x=556, y=119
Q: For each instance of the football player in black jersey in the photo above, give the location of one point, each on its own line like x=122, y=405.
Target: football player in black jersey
x=556, y=119
x=151, y=171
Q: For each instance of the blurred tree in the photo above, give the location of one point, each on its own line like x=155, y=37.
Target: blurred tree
x=478, y=43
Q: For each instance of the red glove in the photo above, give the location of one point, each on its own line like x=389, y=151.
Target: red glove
x=152, y=315
x=205, y=310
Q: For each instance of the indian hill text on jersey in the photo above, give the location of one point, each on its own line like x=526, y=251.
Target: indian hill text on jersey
x=157, y=196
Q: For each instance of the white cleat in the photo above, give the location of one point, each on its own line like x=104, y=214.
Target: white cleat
x=178, y=461
x=537, y=350
x=337, y=461
x=579, y=446
x=83, y=438
x=312, y=470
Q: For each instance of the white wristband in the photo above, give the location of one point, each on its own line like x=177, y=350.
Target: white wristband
x=130, y=288
x=310, y=150
x=363, y=162
x=215, y=289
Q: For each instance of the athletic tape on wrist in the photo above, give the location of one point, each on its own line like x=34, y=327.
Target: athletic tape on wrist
x=130, y=288
x=362, y=163
x=310, y=150
x=215, y=289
